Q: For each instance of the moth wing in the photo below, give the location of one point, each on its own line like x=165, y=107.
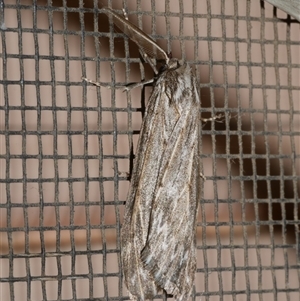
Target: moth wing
x=137, y=217
x=158, y=233
x=169, y=253
x=144, y=42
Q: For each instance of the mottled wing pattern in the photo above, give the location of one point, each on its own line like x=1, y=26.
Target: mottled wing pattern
x=138, y=205
x=169, y=253
x=158, y=234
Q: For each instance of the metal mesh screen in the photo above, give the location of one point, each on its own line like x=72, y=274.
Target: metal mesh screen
x=66, y=147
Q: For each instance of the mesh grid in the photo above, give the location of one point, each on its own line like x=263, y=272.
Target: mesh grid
x=66, y=148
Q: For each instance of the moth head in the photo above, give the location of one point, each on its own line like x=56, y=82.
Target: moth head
x=169, y=65
x=173, y=64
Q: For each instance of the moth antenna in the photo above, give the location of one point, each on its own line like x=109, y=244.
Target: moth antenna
x=143, y=41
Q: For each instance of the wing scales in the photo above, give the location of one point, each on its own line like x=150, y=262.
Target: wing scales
x=170, y=249
x=161, y=207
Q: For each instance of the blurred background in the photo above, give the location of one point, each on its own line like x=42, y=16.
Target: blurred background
x=67, y=147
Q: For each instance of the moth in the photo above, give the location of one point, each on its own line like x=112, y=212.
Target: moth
x=158, y=236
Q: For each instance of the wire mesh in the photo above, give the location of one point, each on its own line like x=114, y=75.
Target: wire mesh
x=67, y=148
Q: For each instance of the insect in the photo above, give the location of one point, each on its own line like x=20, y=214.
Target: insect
x=158, y=238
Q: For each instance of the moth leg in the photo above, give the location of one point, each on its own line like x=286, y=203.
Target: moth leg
x=219, y=116
x=98, y=84
x=108, y=86
x=124, y=87
x=136, y=85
